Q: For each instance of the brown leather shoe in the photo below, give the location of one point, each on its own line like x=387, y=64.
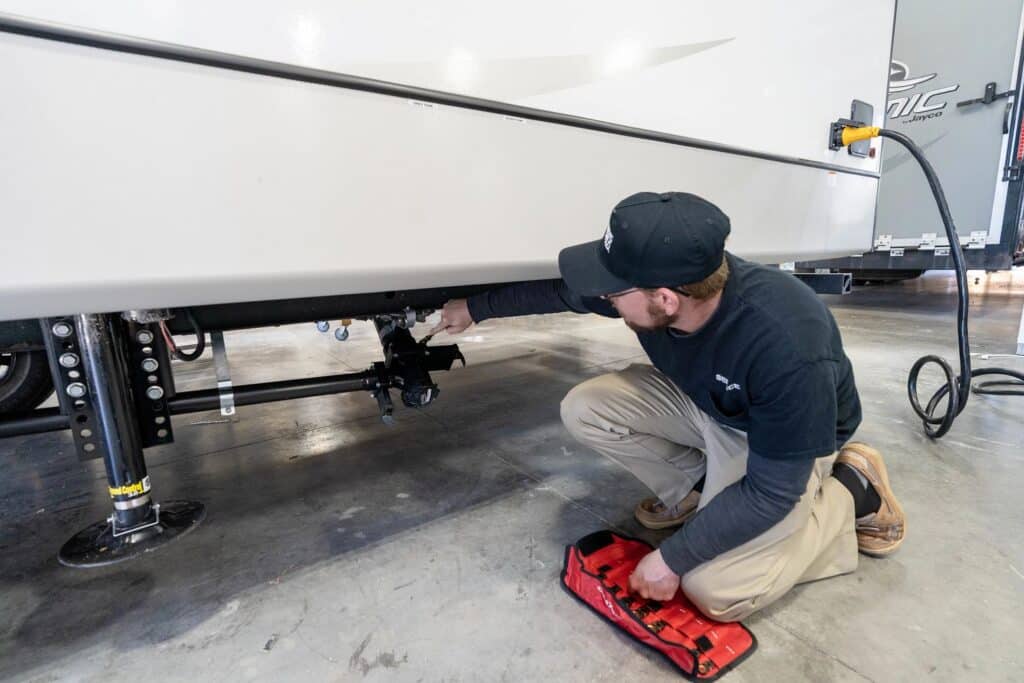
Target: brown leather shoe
x=654, y=514
x=879, y=533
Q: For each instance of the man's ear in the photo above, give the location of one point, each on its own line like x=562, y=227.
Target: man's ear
x=667, y=299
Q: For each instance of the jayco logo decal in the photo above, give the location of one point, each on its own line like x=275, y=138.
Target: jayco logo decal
x=919, y=106
x=725, y=381
x=899, y=77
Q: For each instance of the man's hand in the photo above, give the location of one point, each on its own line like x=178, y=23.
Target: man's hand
x=455, y=318
x=652, y=578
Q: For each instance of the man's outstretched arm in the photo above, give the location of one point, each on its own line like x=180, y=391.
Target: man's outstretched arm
x=524, y=298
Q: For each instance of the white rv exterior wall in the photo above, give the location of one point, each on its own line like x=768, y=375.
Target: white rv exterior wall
x=757, y=75
x=133, y=181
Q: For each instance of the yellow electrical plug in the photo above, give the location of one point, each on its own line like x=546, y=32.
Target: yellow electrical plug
x=852, y=134
x=844, y=132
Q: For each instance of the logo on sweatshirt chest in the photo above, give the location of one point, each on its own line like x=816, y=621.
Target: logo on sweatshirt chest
x=729, y=386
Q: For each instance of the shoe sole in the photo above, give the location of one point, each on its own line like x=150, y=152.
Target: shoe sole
x=663, y=524
x=875, y=459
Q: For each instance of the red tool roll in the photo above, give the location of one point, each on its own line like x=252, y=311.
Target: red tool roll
x=597, y=570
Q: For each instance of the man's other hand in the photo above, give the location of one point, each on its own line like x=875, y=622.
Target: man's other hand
x=652, y=579
x=455, y=318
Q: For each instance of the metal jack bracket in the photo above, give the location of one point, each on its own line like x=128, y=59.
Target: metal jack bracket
x=101, y=380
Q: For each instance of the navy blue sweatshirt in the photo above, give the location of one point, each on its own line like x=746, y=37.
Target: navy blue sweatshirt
x=768, y=362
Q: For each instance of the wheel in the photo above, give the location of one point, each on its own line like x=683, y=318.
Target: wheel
x=25, y=380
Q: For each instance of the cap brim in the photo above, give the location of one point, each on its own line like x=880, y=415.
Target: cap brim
x=584, y=271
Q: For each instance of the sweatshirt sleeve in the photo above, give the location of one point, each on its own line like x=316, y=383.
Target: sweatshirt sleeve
x=531, y=298
x=743, y=511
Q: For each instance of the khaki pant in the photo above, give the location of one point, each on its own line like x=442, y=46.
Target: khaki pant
x=642, y=421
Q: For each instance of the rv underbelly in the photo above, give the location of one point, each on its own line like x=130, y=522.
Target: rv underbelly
x=171, y=165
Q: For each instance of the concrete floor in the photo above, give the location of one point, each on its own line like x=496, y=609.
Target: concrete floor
x=338, y=549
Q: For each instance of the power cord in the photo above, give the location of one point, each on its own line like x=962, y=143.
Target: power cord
x=957, y=387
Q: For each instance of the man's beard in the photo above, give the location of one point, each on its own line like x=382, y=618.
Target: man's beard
x=659, y=320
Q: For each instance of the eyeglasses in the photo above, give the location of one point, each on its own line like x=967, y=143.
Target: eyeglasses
x=610, y=297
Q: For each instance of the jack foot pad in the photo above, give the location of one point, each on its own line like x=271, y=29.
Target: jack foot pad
x=102, y=544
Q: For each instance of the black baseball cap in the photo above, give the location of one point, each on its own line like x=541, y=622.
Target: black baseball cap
x=653, y=240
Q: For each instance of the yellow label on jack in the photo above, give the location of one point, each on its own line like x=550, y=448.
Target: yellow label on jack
x=134, y=489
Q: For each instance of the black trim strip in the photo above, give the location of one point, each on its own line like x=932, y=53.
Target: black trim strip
x=151, y=48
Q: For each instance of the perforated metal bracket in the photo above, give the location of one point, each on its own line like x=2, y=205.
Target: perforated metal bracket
x=149, y=367
x=71, y=381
